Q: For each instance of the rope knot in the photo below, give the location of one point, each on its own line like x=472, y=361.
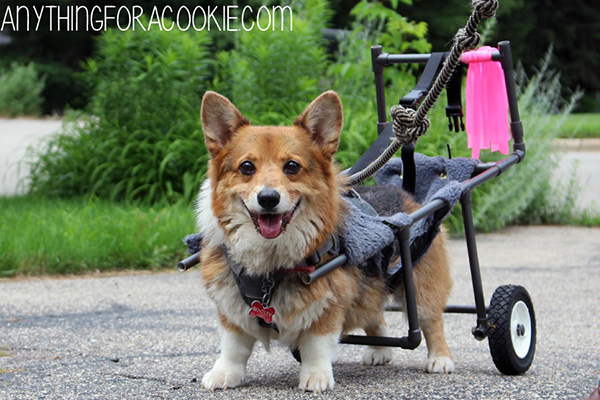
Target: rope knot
x=405, y=126
x=467, y=41
x=486, y=8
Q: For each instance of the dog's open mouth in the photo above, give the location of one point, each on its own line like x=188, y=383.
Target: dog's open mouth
x=271, y=225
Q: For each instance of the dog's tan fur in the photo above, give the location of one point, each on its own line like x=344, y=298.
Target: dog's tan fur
x=309, y=317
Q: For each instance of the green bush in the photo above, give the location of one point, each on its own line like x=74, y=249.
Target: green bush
x=64, y=88
x=143, y=142
x=543, y=199
x=352, y=77
x=271, y=75
x=20, y=89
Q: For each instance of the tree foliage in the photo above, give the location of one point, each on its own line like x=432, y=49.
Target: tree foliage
x=570, y=27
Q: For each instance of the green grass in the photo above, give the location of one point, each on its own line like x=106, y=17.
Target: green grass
x=49, y=236
x=580, y=126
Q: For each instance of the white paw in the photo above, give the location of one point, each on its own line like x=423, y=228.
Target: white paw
x=377, y=355
x=316, y=381
x=440, y=365
x=223, y=378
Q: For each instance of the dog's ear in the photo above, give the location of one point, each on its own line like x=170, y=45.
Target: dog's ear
x=220, y=120
x=324, y=119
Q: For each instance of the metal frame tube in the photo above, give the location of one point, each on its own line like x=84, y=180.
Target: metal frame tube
x=414, y=333
x=451, y=309
x=386, y=59
x=480, y=331
x=189, y=262
x=329, y=266
x=405, y=342
x=413, y=339
x=516, y=127
x=379, y=88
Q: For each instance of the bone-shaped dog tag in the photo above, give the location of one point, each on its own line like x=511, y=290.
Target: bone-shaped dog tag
x=262, y=312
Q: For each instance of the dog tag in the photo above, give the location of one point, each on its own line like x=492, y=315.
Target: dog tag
x=258, y=310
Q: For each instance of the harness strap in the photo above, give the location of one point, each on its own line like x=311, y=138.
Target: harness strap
x=409, y=169
x=425, y=82
x=454, y=110
x=251, y=288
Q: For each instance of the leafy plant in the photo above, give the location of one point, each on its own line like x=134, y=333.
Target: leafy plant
x=351, y=73
x=20, y=89
x=271, y=75
x=143, y=142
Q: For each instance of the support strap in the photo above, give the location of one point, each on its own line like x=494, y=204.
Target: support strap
x=454, y=110
x=409, y=170
x=425, y=82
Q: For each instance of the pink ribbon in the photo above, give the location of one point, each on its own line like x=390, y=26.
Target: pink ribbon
x=487, y=103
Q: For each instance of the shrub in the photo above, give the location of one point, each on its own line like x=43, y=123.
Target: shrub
x=144, y=142
x=351, y=73
x=271, y=75
x=64, y=88
x=20, y=89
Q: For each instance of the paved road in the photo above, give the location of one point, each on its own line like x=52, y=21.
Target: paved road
x=586, y=165
x=16, y=135
x=154, y=335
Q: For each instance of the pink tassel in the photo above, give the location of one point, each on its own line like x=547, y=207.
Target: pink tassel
x=487, y=103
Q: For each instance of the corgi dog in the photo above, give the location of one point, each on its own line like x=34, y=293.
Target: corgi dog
x=272, y=198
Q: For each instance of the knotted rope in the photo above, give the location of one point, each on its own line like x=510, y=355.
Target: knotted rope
x=408, y=125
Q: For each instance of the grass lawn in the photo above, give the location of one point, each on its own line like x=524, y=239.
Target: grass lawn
x=580, y=126
x=52, y=236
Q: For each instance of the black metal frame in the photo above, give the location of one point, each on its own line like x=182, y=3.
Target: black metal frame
x=483, y=173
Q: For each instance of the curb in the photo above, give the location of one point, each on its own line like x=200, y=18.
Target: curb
x=577, y=144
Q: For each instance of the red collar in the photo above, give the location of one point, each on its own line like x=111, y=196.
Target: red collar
x=306, y=269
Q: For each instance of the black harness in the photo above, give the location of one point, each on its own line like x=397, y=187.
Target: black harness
x=257, y=291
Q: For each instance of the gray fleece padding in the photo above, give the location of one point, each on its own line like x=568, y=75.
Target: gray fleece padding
x=433, y=173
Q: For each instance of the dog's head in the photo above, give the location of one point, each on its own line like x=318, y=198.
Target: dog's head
x=271, y=183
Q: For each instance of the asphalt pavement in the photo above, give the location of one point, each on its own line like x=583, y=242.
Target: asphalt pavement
x=16, y=136
x=143, y=336
x=149, y=336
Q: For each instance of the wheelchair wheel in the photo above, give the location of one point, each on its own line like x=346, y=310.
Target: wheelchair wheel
x=512, y=330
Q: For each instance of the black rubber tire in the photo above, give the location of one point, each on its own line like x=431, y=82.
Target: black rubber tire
x=501, y=345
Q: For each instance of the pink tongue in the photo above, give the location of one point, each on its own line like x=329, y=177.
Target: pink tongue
x=270, y=225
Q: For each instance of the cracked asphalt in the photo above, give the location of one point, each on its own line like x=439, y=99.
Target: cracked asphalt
x=146, y=336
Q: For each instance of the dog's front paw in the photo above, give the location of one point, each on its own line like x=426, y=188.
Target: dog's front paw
x=377, y=355
x=223, y=378
x=440, y=365
x=316, y=381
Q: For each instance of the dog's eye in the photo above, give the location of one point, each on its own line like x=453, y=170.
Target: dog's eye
x=247, y=168
x=291, y=167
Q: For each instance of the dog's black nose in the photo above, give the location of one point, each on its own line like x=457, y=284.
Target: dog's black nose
x=268, y=198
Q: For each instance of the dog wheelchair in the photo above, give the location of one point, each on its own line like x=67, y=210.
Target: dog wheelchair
x=508, y=321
